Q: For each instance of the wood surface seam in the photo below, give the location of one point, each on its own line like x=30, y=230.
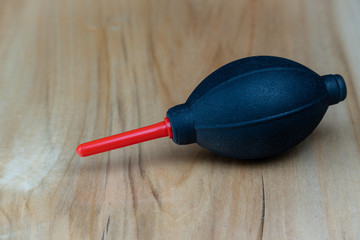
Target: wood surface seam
x=141, y=169
x=106, y=228
x=262, y=219
x=134, y=198
x=155, y=194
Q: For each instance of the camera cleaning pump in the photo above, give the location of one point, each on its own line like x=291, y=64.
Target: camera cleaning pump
x=251, y=108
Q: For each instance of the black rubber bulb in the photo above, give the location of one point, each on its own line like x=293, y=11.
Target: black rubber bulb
x=255, y=107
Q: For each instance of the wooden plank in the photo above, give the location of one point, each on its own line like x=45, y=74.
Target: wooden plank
x=73, y=71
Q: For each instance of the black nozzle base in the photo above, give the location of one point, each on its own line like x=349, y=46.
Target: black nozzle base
x=182, y=124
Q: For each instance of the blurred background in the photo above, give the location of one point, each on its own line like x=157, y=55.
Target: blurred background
x=73, y=71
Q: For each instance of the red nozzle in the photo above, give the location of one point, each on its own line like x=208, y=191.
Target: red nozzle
x=158, y=130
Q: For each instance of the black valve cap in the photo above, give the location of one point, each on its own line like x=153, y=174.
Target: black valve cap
x=336, y=88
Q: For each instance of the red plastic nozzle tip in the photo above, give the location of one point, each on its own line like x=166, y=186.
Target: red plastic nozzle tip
x=158, y=130
x=80, y=152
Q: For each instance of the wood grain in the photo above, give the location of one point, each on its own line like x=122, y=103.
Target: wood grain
x=73, y=71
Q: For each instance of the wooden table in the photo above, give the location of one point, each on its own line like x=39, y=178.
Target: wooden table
x=73, y=71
